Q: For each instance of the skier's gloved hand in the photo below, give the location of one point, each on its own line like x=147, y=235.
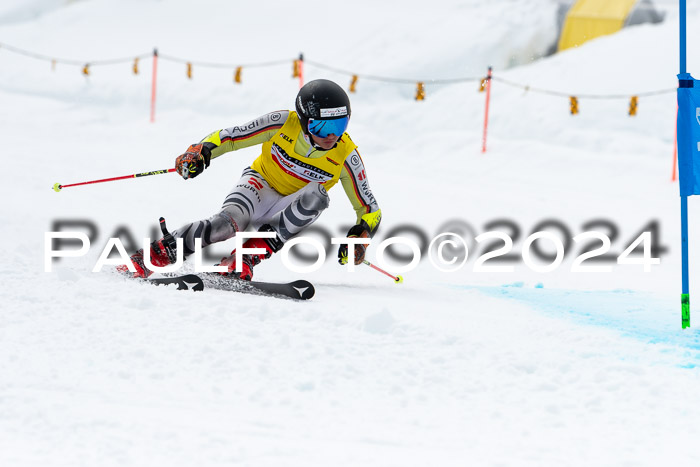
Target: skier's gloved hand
x=357, y=231
x=193, y=161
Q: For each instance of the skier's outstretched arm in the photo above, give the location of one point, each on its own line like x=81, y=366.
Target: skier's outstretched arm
x=258, y=131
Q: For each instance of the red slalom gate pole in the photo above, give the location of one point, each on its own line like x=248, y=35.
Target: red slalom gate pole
x=58, y=187
x=486, y=116
x=153, y=85
x=397, y=279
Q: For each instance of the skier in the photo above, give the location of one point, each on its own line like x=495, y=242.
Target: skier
x=304, y=154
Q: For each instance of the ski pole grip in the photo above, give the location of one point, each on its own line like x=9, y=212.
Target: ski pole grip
x=163, y=227
x=168, y=238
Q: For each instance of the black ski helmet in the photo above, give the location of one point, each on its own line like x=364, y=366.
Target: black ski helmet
x=321, y=99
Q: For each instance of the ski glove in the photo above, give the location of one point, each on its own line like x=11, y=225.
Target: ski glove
x=357, y=231
x=193, y=161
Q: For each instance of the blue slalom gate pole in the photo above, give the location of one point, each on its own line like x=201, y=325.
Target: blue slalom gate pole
x=685, y=286
x=681, y=8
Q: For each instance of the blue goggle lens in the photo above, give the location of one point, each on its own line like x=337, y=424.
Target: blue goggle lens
x=323, y=128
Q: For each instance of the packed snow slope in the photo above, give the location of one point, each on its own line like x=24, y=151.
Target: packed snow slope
x=514, y=367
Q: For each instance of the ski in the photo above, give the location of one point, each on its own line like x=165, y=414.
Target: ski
x=186, y=282
x=298, y=290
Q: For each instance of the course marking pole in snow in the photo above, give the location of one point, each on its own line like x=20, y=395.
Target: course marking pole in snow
x=685, y=293
x=688, y=140
x=58, y=187
x=153, y=85
x=301, y=71
x=486, y=115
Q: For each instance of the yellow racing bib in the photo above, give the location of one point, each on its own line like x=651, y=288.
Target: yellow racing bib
x=287, y=170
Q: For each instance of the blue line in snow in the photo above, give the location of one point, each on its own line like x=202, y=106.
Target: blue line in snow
x=634, y=314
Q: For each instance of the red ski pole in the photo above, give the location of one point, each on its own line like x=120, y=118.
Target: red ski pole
x=397, y=279
x=58, y=187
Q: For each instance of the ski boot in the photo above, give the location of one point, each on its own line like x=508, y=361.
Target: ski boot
x=163, y=253
x=270, y=245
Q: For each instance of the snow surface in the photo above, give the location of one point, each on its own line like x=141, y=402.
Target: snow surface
x=460, y=368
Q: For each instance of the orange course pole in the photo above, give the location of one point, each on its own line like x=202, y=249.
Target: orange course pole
x=153, y=85
x=301, y=70
x=486, y=115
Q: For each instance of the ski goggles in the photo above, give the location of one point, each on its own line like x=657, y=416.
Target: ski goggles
x=323, y=128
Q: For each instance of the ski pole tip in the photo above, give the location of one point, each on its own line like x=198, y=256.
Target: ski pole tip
x=57, y=187
x=399, y=280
